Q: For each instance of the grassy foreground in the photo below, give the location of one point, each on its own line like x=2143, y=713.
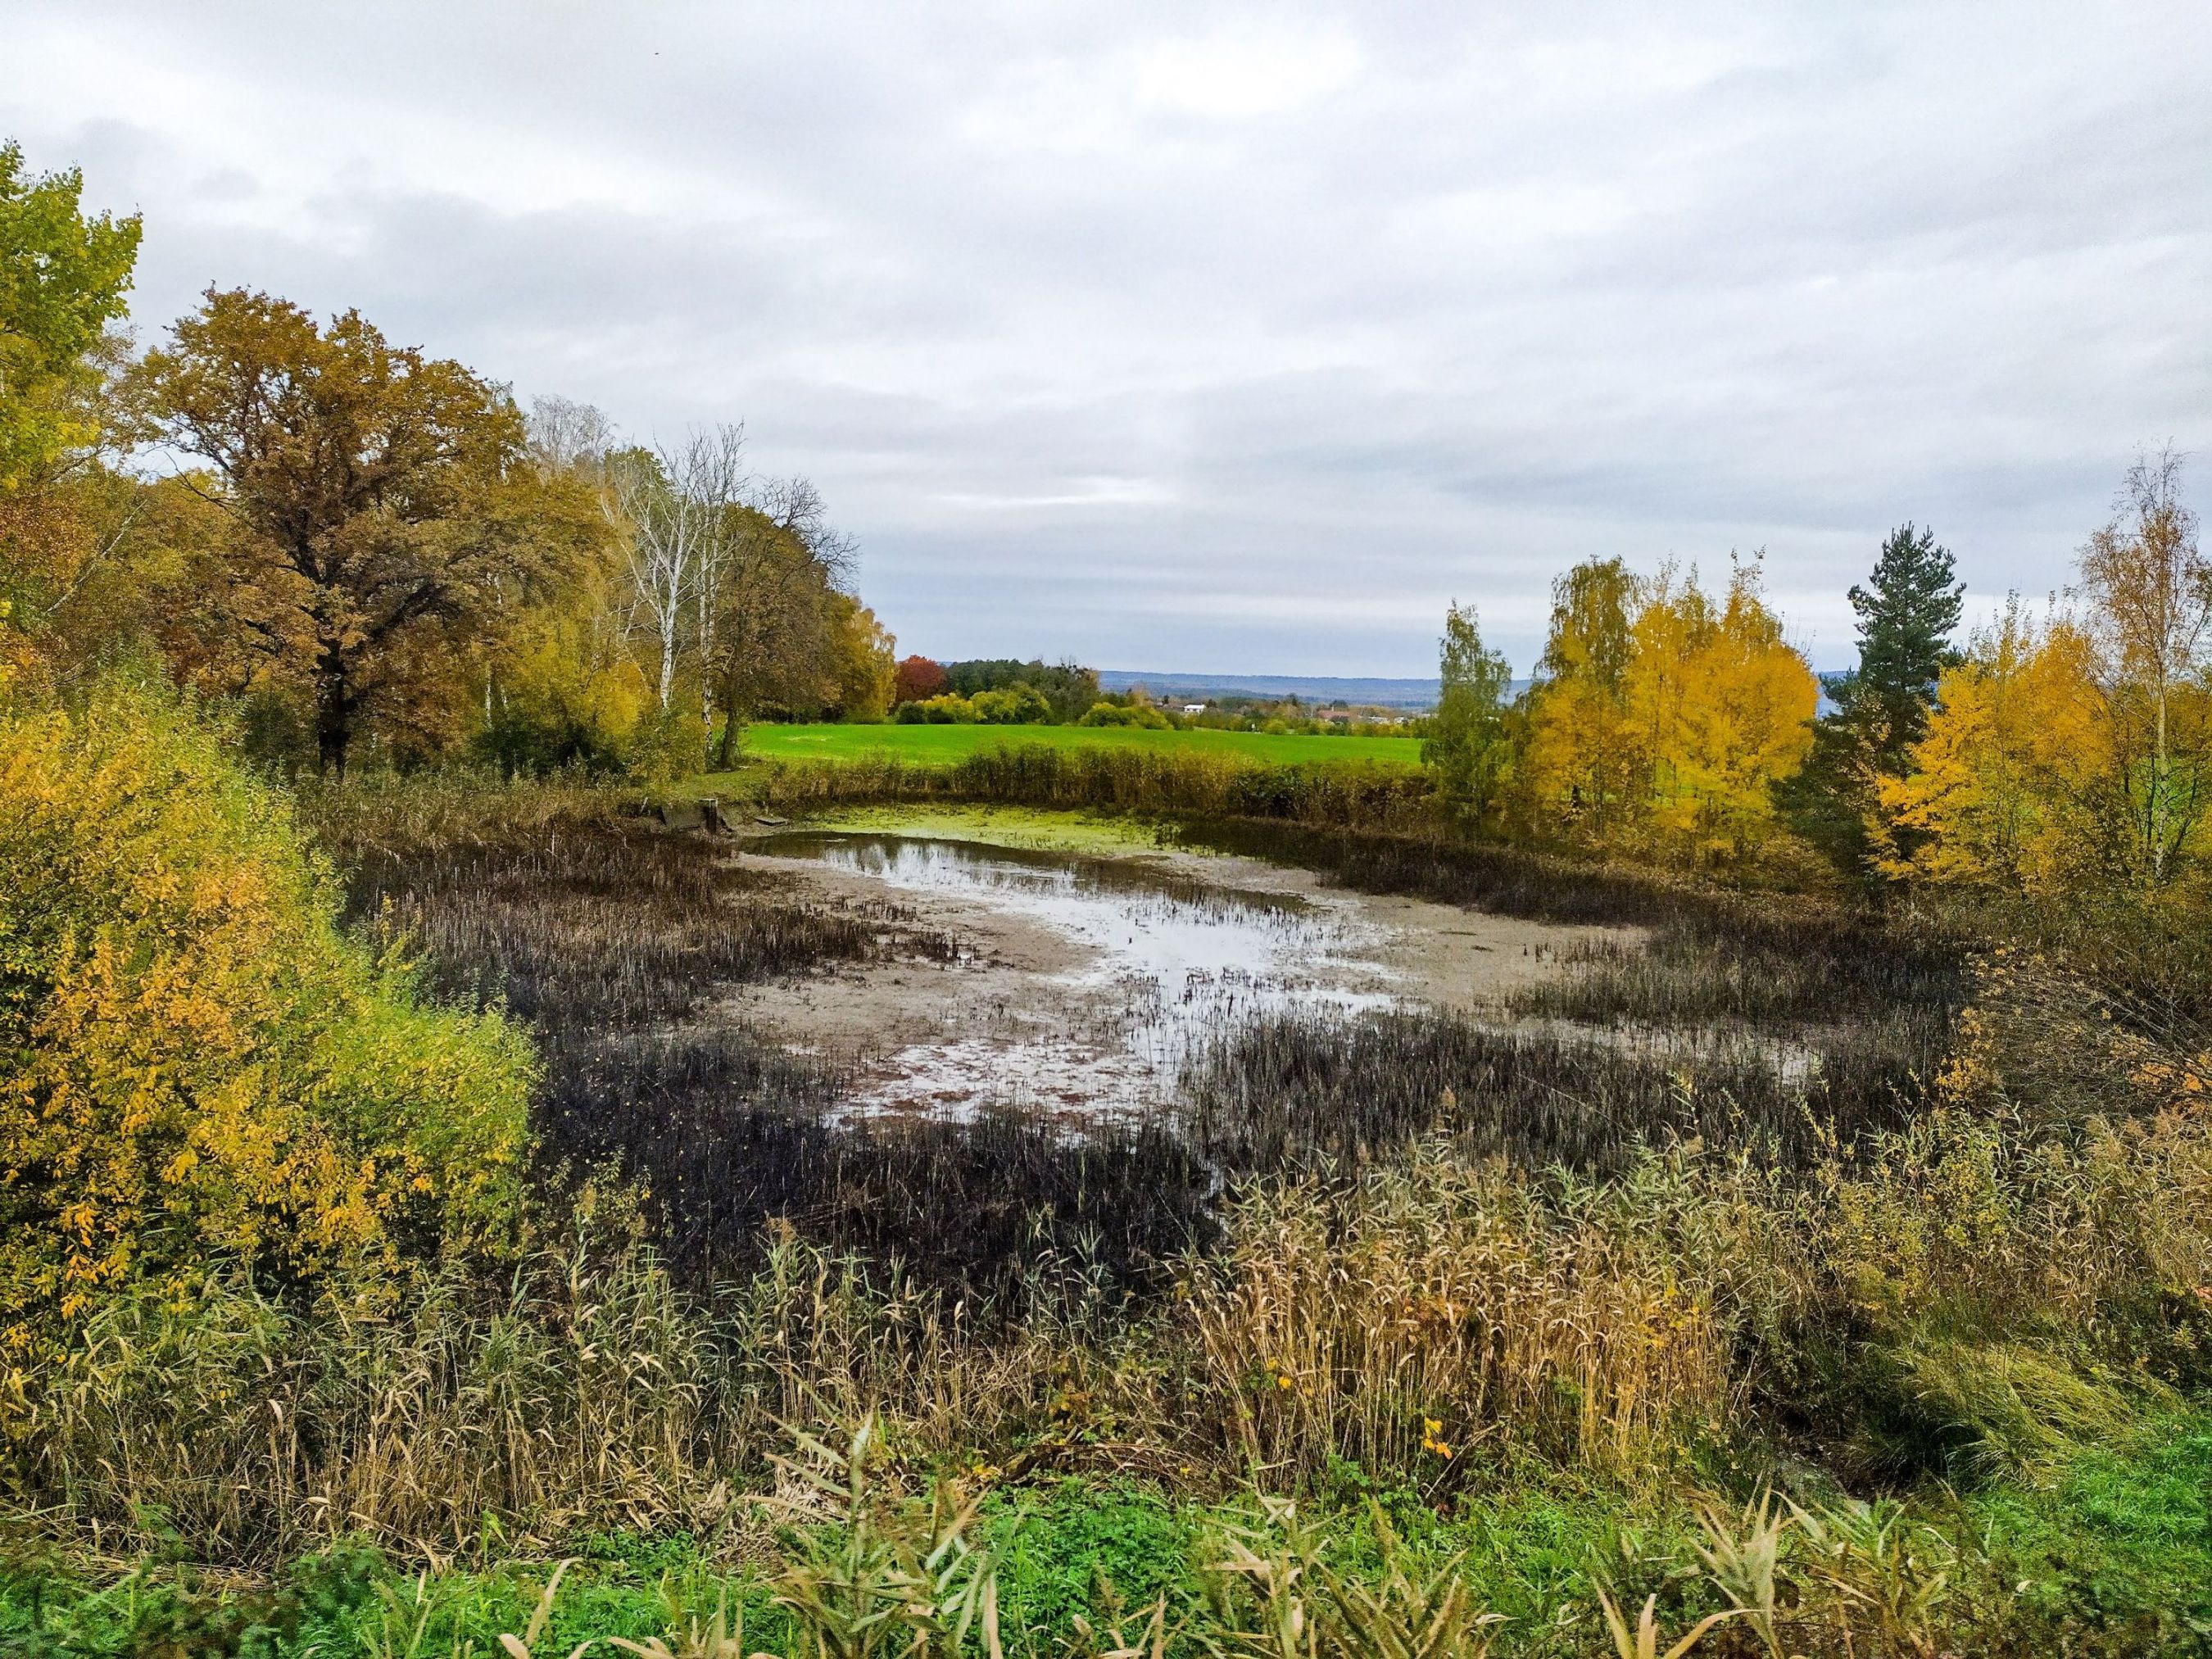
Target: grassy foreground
x=2110, y=1552
x=943, y=745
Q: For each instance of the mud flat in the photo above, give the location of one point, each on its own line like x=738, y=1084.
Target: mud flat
x=1083, y=979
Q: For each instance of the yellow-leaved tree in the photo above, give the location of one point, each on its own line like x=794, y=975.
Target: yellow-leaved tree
x=2003, y=789
x=1585, y=773
x=1721, y=705
x=2077, y=756
x=197, y=1060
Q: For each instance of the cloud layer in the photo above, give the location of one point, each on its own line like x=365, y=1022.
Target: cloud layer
x=1235, y=339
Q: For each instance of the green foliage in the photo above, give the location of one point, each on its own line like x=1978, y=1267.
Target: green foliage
x=1067, y=688
x=1142, y=716
x=1469, y=746
x=1013, y=705
x=63, y=278
x=946, y=708
x=1077, y=1551
x=1907, y=613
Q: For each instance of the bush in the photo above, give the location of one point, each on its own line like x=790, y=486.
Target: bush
x=1014, y=705
x=1141, y=716
x=666, y=746
x=533, y=743
x=203, y=1063
x=950, y=709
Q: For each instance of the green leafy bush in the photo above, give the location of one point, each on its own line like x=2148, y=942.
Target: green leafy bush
x=1013, y=705
x=950, y=708
x=1141, y=716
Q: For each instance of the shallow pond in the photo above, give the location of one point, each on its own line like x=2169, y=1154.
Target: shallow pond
x=1089, y=981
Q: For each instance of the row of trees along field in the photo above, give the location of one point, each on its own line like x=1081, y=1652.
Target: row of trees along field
x=2062, y=750
x=375, y=552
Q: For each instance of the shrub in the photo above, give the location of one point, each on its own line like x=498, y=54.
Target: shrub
x=1141, y=716
x=949, y=709
x=202, y=1063
x=1013, y=705
x=667, y=745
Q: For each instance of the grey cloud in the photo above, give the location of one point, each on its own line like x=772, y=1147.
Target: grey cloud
x=1091, y=321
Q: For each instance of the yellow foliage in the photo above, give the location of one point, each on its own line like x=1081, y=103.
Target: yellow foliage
x=1664, y=717
x=1723, y=706
x=200, y=1061
x=2004, y=788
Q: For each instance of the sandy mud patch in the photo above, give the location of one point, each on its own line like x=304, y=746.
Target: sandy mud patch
x=1078, y=984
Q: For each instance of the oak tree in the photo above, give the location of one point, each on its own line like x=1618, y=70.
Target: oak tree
x=374, y=494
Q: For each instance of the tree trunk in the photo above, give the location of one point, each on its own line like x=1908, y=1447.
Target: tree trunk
x=726, y=756
x=334, y=712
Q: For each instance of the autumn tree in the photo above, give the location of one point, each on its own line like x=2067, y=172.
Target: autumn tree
x=1584, y=771
x=1720, y=703
x=776, y=605
x=2148, y=592
x=919, y=678
x=2002, y=790
x=864, y=664
x=1468, y=744
x=375, y=494
x=559, y=684
x=67, y=520
x=2071, y=758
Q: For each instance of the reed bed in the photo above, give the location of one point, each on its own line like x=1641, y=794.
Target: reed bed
x=582, y=1388
x=1445, y=1315
x=1339, y=793
x=1278, y=1089
x=612, y=939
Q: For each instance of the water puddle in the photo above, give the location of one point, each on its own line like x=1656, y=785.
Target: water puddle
x=1152, y=962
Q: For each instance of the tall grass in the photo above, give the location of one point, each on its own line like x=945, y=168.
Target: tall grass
x=1436, y=1317
x=1278, y=1089
x=1338, y=793
x=1960, y=1306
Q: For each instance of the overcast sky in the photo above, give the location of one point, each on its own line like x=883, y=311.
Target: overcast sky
x=1196, y=337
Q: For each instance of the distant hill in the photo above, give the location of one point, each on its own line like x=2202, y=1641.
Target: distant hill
x=1309, y=688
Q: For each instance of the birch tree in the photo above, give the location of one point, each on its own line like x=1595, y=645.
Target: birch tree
x=675, y=504
x=2150, y=598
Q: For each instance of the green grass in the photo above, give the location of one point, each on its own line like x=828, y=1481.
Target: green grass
x=2111, y=1555
x=931, y=745
x=2121, y=1541
x=1030, y=828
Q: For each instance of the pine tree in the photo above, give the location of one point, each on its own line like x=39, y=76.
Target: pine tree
x=1907, y=611
x=1906, y=616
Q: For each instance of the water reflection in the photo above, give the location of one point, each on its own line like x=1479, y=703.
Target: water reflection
x=1170, y=959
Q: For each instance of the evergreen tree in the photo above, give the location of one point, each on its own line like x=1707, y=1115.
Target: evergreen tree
x=1906, y=616
x=1907, y=611
x=1466, y=744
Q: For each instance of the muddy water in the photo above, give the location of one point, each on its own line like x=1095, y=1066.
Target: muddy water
x=1084, y=982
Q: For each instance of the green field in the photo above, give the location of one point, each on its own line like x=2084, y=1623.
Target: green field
x=943, y=745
